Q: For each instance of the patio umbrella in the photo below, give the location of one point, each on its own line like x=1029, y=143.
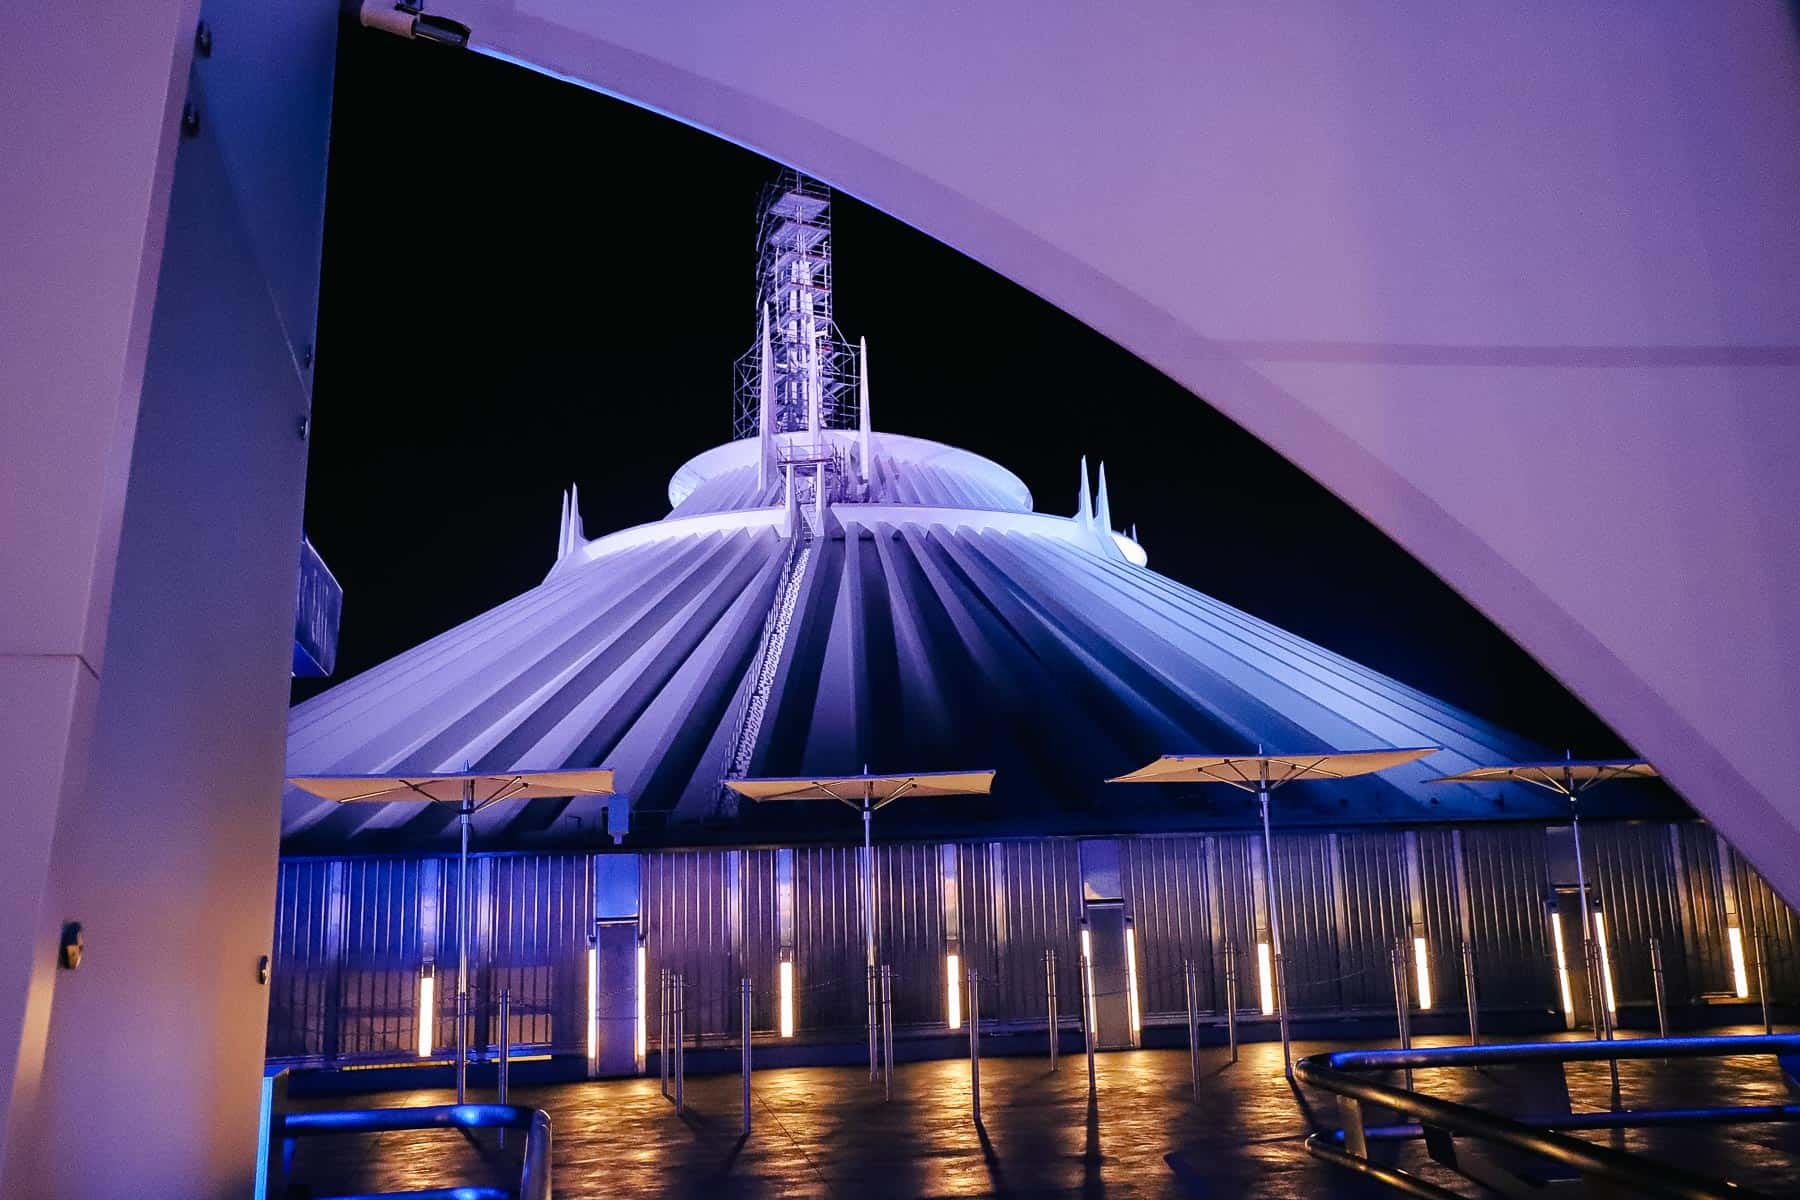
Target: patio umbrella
x=470, y=793
x=1570, y=777
x=1263, y=773
x=866, y=794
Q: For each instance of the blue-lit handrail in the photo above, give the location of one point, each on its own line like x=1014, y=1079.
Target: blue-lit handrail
x=534, y=1171
x=1335, y=1072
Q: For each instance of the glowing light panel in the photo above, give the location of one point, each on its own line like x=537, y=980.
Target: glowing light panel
x=787, y=999
x=1265, y=977
x=1562, y=967
x=1740, y=978
x=1131, y=984
x=643, y=1025
x=1087, y=958
x=1605, y=963
x=427, y=1009
x=593, y=992
x=1422, y=968
x=953, y=994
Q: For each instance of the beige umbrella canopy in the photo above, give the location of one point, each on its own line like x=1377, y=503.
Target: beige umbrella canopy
x=1262, y=773
x=1569, y=777
x=471, y=793
x=866, y=793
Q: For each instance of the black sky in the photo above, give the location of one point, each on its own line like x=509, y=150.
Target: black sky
x=526, y=285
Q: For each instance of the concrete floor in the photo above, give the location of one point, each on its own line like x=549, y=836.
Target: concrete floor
x=826, y=1132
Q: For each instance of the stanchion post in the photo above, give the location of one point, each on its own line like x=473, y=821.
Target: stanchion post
x=1402, y=1024
x=874, y=1020
x=1193, y=1015
x=1469, y=997
x=662, y=1028
x=1662, y=995
x=975, y=1044
x=744, y=1021
x=1603, y=1020
x=1231, y=999
x=1762, y=980
x=1050, y=1014
x=887, y=1032
x=505, y=1069
x=680, y=1021
x=1087, y=1023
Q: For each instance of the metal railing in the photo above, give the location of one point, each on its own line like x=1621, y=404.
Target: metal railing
x=1439, y=1121
x=534, y=1170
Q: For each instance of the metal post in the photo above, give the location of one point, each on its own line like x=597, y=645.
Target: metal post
x=464, y=816
x=975, y=1044
x=1087, y=1022
x=1603, y=1012
x=1662, y=996
x=1193, y=1014
x=887, y=1032
x=1050, y=1014
x=1231, y=999
x=1762, y=979
x=680, y=1022
x=869, y=920
x=662, y=1028
x=505, y=1069
x=1281, y=999
x=1402, y=1030
x=1468, y=965
x=744, y=1017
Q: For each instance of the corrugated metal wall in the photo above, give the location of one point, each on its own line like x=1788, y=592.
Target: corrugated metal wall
x=351, y=935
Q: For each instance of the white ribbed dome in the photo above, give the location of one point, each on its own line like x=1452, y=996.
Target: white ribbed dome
x=937, y=624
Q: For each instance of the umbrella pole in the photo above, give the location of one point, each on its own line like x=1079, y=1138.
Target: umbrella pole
x=464, y=815
x=869, y=924
x=1281, y=1000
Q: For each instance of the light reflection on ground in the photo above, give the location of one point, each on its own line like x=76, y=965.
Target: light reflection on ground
x=825, y=1131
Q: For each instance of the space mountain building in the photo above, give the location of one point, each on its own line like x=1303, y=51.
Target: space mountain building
x=826, y=596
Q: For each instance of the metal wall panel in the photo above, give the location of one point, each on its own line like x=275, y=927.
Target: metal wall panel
x=1375, y=914
x=1043, y=910
x=351, y=934
x=1443, y=918
x=377, y=1012
x=538, y=951
x=1705, y=953
x=1769, y=921
x=1305, y=891
x=1166, y=896
x=1634, y=880
x=909, y=930
x=303, y=966
x=759, y=951
x=830, y=975
x=1238, y=879
x=1509, y=879
x=687, y=929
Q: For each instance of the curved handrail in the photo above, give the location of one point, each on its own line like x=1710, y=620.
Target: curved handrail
x=534, y=1170
x=1333, y=1072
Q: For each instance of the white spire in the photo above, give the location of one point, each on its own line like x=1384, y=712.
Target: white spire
x=766, y=414
x=1103, y=506
x=1084, y=509
x=577, y=534
x=864, y=423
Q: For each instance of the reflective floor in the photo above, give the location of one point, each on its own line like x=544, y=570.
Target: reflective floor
x=826, y=1132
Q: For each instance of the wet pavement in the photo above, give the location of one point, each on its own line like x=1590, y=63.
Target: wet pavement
x=825, y=1131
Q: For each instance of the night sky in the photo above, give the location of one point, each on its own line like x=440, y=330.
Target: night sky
x=527, y=285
